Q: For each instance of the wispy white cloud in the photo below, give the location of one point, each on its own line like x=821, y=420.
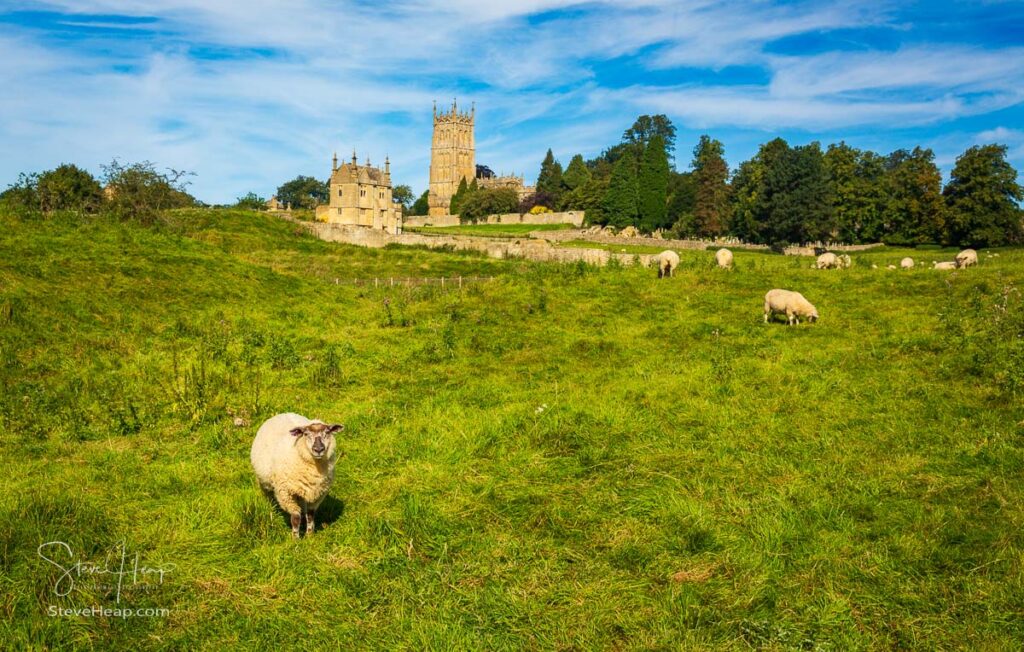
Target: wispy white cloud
x=357, y=74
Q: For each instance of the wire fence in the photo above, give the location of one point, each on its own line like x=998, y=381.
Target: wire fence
x=395, y=281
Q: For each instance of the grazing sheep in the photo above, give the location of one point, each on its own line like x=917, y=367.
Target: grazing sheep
x=668, y=260
x=907, y=263
x=950, y=264
x=791, y=304
x=294, y=461
x=724, y=258
x=845, y=262
x=828, y=260
x=966, y=258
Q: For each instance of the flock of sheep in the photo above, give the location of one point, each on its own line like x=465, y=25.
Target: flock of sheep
x=294, y=457
x=965, y=258
x=793, y=304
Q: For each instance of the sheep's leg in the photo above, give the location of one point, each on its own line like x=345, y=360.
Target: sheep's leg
x=310, y=520
x=292, y=507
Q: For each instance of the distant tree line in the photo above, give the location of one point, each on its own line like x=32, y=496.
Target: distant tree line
x=135, y=191
x=790, y=194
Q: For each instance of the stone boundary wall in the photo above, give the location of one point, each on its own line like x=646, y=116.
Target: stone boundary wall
x=571, y=217
x=539, y=247
x=590, y=236
x=528, y=248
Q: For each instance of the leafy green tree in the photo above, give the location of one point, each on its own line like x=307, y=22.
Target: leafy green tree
x=645, y=129
x=915, y=212
x=403, y=195
x=796, y=186
x=252, y=202
x=621, y=201
x=711, y=174
x=138, y=192
x=488, y=201
x=652, y=186
x=422, y=205
x=576, y=174
x=983, y=195
x=588, y=198
x=782, y=196
x=303, y=192
x=682, y=197
x=68, y=187
x=857, y=194
x=459, y=195
x=550, y=178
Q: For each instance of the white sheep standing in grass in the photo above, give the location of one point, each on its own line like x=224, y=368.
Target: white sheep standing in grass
x=294, y=462
x=949, y=264
x=907, y=263
x=845, y=262
x=966, y=258
x=668, y=260
x=827, y=260
x=724, y=258
x=789, y=303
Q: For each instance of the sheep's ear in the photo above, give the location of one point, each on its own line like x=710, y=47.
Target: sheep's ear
x=335, y=427
x=297, y=432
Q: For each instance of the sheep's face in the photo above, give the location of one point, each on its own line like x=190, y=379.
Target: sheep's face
x=318, y=439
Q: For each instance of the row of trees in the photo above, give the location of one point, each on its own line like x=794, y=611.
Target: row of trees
x=790, y=193
x=136, y=191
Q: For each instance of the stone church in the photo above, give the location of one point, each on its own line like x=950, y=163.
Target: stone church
x=361, y=195
x=453, y=158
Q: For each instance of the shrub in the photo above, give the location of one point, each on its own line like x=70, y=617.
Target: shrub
x=138, y=192
x=988, y=334
x=488, y=201
x=252, y=202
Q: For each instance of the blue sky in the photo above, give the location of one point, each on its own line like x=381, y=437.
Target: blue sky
x=250, y=94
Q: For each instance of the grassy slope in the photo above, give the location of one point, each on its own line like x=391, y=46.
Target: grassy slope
x=563, y=457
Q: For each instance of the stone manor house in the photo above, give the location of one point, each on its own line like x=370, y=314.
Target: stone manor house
x=361, y=195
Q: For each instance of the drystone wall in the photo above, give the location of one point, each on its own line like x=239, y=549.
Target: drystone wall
x=526, y=248
x=570, y=217
x=604, y=238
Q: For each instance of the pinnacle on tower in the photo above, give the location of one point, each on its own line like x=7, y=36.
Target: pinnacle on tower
x=334, y=162
x=353, y=156
x=387, y=165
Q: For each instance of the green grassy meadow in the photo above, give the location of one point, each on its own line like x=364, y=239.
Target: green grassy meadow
x=565, y=457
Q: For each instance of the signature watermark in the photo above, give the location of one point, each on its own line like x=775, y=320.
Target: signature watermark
x=108, y=612
x=118, y=572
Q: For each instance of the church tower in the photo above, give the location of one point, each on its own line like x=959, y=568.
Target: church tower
x=452, y=156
